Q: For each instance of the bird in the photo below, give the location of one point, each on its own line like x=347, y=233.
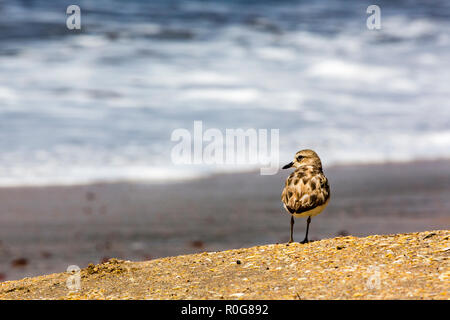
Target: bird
x=306, y=192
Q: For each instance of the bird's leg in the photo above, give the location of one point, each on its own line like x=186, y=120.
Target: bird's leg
x=292, y=230
x=307, y=229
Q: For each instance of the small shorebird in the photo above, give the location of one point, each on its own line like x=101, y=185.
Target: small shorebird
x=306, y=192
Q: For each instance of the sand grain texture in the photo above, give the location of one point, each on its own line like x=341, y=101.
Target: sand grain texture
x=402, y=266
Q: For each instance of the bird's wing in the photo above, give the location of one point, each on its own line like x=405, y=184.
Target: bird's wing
x=305, y=190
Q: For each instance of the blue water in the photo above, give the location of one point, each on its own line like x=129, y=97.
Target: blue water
x=101, y=103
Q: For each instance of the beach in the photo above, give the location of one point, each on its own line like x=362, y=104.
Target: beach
x=131, y=147
x=43, y=230
x=400, y=266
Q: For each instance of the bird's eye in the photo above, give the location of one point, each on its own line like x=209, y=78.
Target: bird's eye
x=299, y=158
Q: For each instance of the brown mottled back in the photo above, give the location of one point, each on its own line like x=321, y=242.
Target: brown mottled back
x=306, y=187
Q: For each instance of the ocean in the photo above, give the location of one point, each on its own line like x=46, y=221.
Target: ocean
x=100, y=104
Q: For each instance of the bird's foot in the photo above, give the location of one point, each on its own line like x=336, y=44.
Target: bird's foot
x=304, y=241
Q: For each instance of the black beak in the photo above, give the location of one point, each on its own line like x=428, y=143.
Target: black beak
x=288, y=165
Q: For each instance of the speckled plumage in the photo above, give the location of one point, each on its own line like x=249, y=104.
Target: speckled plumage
x=306, y=188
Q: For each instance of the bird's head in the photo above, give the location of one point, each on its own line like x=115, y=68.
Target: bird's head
x=303, y=158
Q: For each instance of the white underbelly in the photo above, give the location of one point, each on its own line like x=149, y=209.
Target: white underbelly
x=312, y=212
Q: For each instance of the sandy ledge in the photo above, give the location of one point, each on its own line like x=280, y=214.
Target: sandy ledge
x=401, y=266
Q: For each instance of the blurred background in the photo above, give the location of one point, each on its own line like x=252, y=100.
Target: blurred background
x=86, y=117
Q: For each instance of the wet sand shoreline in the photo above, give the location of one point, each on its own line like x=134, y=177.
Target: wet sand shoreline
x=45, y=229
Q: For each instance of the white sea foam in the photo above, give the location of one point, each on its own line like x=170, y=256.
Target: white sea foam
x=240, y=95
x=101, y=105
x=346, y=70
